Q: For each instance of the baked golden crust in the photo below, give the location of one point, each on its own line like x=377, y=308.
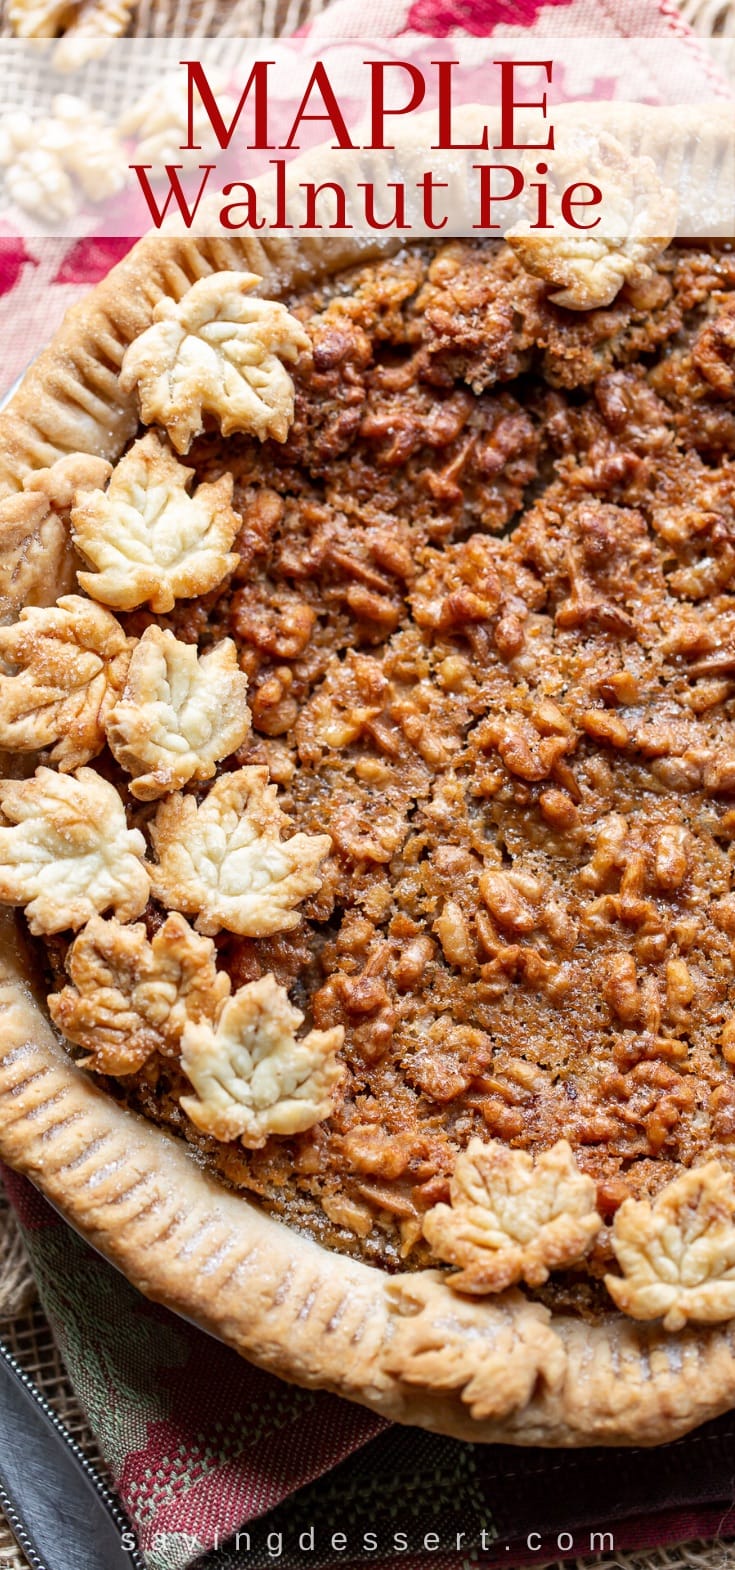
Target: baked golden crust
x=597, y=1380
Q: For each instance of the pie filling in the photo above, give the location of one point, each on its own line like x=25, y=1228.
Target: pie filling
x=482, y=596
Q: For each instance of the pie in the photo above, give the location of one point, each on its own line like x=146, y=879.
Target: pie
x=367, y=828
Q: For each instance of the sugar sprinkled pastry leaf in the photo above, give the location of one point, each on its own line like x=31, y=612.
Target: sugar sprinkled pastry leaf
x=219, y=351
x=252, y=1076
x=225, y=861
x=147, y=538
x=179, y=714
x=128, y=997
x=512, y=1219
x=71, y=661
x=67, y=852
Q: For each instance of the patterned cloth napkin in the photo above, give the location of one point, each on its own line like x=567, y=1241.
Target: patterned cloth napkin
x=199, y=1443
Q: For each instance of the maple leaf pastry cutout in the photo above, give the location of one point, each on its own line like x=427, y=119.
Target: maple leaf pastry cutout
x=69, y=853
x=220, y=351
x=147, y=538
x=511, y=1218
x=34, y=525
x=129, y=997
x=677, y=1252
x=225, y=862
x=251, y=1075
x=179, y=714
x=71, y=661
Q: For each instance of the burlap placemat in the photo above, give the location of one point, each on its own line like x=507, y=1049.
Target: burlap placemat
x=22, y=1324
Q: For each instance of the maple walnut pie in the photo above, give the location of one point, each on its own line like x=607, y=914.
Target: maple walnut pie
x=367, y=694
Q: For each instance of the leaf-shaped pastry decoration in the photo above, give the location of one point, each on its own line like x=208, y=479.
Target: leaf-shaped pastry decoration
x=251, y=1075
x=179, y=713
x=147, y=538
x=129, y=998
x=512, y=1219
x=70, y=853
x=494, y=1355
x=225, y=861
x=71, y=662
x=219, y=351
x=677, y=1254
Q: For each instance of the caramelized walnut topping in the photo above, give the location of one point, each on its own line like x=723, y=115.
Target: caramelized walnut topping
x=518, y=741
x=219, y=351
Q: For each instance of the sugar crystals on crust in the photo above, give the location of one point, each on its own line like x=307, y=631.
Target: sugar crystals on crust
x=251, y=1075
x=69, y=853
x=225, y=861
x=179, y=713
x=71, y=662
x=512, y=1219
x=128, y=998
x=147, y=538
x=219, y=351
x=677, y=1253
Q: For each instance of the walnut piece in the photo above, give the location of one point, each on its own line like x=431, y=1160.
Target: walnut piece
x=37, y=18
x=129, y=998
x=70, y=854
x=218, y=351
x=179, y=713
x=512, y=1219
x=494, y=1355
x=54, y=162
x=71, y=661
x=251, y=1075
x=677, y=1254
x=76, y=18
x=158, y=120
x=225, y=861
x=147, y=538
x=88, y=32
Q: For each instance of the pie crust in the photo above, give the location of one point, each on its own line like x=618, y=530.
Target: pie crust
x=501, y=1368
